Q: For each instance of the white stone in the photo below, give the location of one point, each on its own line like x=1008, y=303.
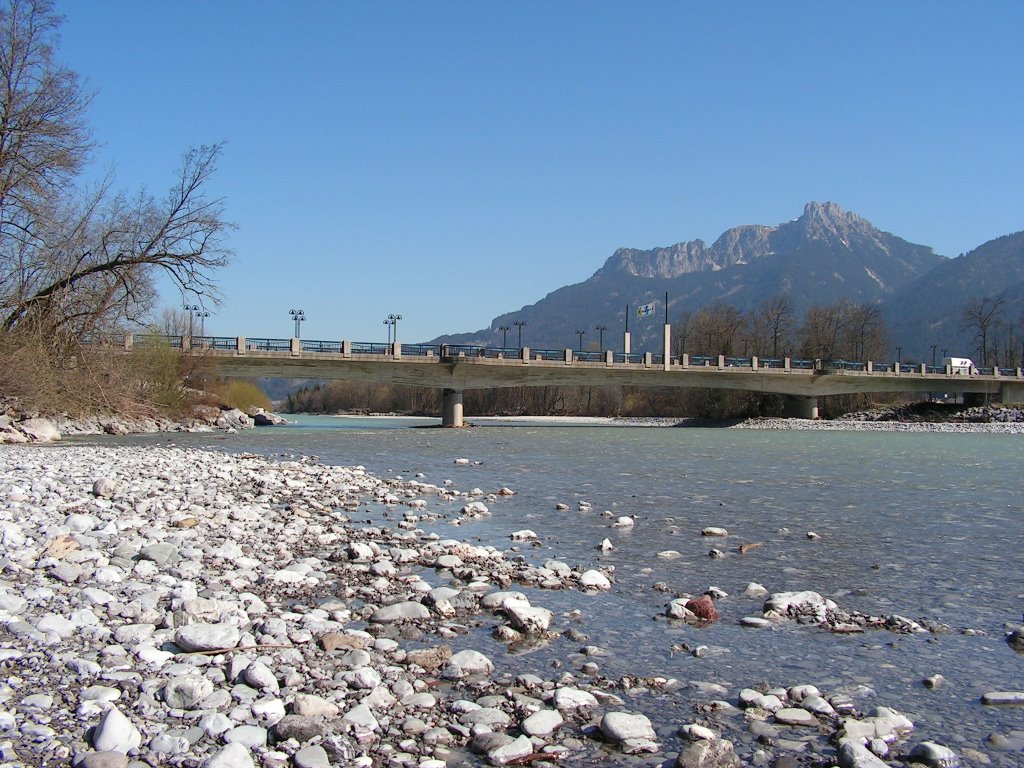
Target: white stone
x=116, y=733
x=528, y=618
x=206, y=637
x=187, y=691
x=404, y=611
x=260, y=676
x=573, y=698
x=594, y=579
x=622, y=726
x=361, y=720
x=234, y=755
x=544, y=722
x=466, y=663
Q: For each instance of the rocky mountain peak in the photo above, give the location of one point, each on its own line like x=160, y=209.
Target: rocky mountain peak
x=827, y=220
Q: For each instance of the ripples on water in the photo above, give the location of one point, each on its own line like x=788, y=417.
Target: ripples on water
x=925, y=525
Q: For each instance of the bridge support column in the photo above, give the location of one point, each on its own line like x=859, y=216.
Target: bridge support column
x=1011, y=392
x=451, y=408
x=800, y=407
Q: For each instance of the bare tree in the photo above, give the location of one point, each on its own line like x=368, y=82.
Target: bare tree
x=821, y=335
x=772, y=324
x=865, y=332
x=982, y=316
x=717, y=330
x=73, y=262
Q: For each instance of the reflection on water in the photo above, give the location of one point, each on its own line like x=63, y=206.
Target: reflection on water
x=925, y=525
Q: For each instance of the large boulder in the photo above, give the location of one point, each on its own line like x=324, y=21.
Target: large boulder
x=39, y=430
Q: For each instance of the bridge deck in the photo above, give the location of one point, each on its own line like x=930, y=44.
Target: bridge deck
x=459, y=368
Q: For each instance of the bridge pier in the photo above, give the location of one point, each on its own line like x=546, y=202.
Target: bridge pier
x=451, y=408
x=1011, y=392
x=800, y=407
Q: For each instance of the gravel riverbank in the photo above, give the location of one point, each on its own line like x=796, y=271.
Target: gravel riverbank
x=161, y=606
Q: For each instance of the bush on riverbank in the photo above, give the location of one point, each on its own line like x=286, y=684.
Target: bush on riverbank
x=70, y=378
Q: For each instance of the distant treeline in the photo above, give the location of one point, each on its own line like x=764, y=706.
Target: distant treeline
x=842, y=330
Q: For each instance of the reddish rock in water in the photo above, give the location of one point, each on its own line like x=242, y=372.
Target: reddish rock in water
x=703, y=608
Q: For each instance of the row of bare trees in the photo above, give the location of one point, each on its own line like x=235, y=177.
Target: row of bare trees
x=841, y=330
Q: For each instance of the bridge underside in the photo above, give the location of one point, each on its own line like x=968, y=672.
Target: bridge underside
x=453, y=377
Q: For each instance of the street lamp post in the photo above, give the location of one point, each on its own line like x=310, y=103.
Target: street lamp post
x=202, y=321
x=601, y=329
x=191, y=309
x=899, y=355
x=519, y=324
x=504, y=334
x=394, y=321
x=389, y=323
x=298, y=316
x=934, y=347
x=580, y=334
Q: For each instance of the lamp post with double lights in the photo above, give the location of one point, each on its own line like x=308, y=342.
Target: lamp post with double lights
x=580, y=334
x=202, y=315
x=298, y=316
x=191, y=309
x=394, y=321
x=519, y=324
x=504, y=335
x=601, y=329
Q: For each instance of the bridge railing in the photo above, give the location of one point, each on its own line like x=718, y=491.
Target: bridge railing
x=738, y=362
x=420, y=350
x=370, y=348
x=547, y=354
x=846, y=365
x=803, y=365
x=310, y=345
x=771, y=362
x=268, y=345
x=213, y=342
x=157, y=339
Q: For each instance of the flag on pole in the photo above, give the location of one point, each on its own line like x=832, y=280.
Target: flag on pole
x=645, y=310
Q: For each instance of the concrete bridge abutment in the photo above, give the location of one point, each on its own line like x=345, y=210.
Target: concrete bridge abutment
x=800, y=407
x=1011, y=392
x=451, y=408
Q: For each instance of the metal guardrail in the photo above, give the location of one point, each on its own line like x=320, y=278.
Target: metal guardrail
x=214, y=342
x=370, y=348
x=308, y=345
x=157, y=339
x=268, y=345
x=420, y=350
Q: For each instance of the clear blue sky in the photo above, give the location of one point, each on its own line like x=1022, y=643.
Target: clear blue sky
x=450, y=161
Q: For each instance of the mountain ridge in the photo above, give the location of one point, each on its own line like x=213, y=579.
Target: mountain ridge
x=824, y=255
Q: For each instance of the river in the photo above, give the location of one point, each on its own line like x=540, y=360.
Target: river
x=924, y=525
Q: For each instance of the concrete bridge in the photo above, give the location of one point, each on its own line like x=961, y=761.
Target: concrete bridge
x=456, y=368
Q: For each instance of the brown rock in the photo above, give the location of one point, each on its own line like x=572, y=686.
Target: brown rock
x=431, y=659
x=332, y=641
x=703, y=608
x=61, y=546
